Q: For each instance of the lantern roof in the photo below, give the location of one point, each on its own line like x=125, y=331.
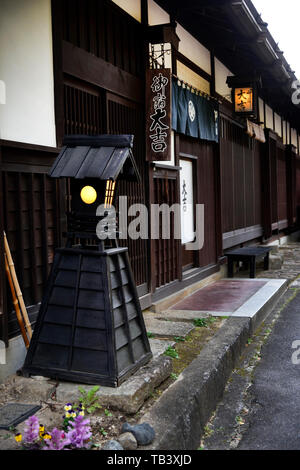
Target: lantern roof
x=102, y=157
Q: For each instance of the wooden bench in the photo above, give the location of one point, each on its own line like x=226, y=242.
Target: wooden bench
x=248, y=255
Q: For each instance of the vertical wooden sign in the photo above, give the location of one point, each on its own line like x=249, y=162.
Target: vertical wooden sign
x=158, y=115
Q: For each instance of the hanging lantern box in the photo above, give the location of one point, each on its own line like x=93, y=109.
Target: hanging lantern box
x=245, y=95
x=90, y=327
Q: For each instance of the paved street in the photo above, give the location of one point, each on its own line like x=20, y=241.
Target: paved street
x=275, y=424
x=261, y=406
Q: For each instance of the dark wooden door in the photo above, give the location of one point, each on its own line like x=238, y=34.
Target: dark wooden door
x=165, y=259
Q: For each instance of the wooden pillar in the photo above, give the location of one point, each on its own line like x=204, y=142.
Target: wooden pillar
x=267, y=189
x=218, y=201
x=57, y=31
x=291, y=185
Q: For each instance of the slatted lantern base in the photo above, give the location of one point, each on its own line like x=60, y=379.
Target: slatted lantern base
x=90, y=327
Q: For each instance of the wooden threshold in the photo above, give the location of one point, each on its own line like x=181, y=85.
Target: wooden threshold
x=189, y=278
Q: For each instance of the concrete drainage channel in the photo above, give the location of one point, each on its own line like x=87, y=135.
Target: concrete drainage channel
x=181, y=413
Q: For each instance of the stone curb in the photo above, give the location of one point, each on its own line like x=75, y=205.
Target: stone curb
x=181, y=413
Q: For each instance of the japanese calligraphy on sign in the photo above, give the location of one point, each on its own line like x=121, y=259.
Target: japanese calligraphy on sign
x=158, y=102
x=243, y=98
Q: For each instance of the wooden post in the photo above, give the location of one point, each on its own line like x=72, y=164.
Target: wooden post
x=16, y=303
x=17, y=286
x=267, y=189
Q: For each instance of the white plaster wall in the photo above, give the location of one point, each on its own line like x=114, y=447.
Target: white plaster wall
x=294, y=138
x=261, y=111
x=26, y=68
x=288, y=140
x=192, y=78
x=193, y=50
x=14, y=358
x=222, y=73
x=278, y=125
x=132, y=7
x=156, y=15
x=269, y=117
x=284, y=132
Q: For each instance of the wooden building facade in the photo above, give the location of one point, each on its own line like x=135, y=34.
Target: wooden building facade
x=96, y=54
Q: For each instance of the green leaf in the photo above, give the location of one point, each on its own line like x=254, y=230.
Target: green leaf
x=179, y=339
x=103, y=432
x=171, y=352
x=201, y=322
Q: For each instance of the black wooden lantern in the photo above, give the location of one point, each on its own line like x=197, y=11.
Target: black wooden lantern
x=90, y=327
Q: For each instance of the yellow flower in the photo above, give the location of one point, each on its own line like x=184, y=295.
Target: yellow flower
x=73, y=415
x=81, y=413
x=42, y=429
x=68, y=415
x=68, y=407
x=46, y=436
x=18, y=437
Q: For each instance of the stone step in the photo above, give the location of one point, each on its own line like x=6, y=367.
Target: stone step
x=159, y=346
x=130, y=395
x=163, y=328
x=181, y=315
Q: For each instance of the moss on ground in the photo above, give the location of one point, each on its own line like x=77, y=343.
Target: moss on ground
x=189, y=349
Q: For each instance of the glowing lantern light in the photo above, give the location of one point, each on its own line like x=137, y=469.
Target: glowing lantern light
x=88, y=194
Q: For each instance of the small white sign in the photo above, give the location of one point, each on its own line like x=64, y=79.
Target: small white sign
x=187, y=202
x=2, y=92
x=2, y=353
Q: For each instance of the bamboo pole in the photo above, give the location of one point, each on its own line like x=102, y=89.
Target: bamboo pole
x=17, y=287
x=16, y=303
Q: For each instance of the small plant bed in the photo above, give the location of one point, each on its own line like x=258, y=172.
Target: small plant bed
x=84, y=424
x=103, y=424
x=184, y=352
x=189, y=349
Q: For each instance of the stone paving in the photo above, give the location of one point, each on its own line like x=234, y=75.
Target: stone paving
x=167, y=324
x=233, y=422
x=291, y=263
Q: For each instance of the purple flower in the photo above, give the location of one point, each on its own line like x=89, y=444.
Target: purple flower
x=58, y=441
x=79, y=433
x=32, y=430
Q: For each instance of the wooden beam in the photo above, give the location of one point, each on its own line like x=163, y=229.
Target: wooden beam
x=85, y=66
x=144, y=12
x=57, y=32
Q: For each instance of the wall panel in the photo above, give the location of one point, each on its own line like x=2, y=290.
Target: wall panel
x=26, y=68
x=240, y=184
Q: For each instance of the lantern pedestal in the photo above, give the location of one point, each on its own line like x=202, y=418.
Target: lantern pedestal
x=90, y=327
